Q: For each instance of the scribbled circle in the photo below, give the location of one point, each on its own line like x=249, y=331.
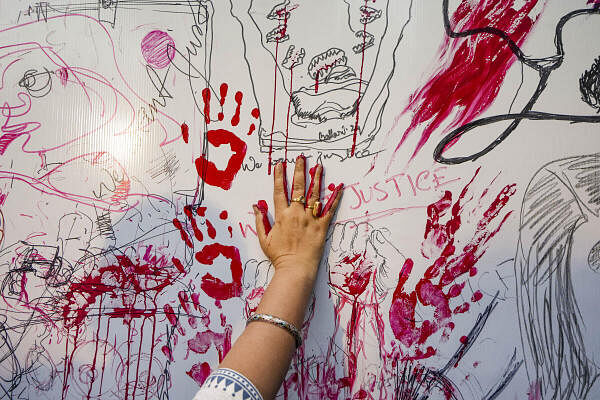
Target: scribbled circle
x=594, y=257
x=158, y=49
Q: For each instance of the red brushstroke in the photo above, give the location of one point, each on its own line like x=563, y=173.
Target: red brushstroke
x=471, y=69
x=440, y=283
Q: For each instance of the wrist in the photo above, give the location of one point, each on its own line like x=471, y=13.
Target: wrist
x=297, y=273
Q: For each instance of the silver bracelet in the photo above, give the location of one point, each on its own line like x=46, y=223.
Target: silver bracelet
x=280, y=323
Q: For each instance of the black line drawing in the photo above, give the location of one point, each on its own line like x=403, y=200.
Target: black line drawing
x=341, y=91
x=562, y=198
x=545, y=67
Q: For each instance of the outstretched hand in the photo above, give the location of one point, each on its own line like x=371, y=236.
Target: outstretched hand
x=295, y=241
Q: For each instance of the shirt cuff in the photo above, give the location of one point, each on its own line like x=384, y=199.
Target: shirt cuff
x=227, y=384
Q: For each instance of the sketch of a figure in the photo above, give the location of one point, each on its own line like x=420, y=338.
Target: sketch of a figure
x=332, y=101
x=560, y=345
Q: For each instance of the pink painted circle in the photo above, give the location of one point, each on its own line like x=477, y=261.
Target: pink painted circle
x=158, y=49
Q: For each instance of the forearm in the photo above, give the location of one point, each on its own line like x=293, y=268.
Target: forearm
x=263, y=351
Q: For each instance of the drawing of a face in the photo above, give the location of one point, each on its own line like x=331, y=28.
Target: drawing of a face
x=328, y=77
x=35, y=79
x=559, y=232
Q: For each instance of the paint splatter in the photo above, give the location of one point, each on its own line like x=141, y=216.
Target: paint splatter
x=471, y=69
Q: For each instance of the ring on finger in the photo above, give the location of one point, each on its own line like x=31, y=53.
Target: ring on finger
x=316, y=207
x=299, y=199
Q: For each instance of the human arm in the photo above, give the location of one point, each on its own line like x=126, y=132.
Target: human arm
x=294, y=245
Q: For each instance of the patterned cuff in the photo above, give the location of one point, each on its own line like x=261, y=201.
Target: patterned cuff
x=227, y=384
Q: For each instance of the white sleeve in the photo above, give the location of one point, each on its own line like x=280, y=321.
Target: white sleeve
x=227, y=384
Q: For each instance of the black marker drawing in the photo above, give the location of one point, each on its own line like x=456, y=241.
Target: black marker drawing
x=562, y=199
x=545, y=67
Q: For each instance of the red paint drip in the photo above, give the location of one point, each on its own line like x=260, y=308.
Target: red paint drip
x=255, y=113
x=362, y=64
x=251, y=129
x=185, y=132
x=287, y=120
x=467, y=83
x=235, y=120
x=206, y=99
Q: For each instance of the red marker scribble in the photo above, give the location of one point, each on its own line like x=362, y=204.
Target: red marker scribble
x=445, y=278
x=158, y=49
x=471, y=69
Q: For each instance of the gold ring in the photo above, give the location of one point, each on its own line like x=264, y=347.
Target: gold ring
x=316, y=207
x=300, y=199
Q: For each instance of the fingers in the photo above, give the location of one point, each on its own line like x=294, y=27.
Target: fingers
x=262, y=224
x=332, y=203
x=299, y=181
x=279, y=189
x=314, y=189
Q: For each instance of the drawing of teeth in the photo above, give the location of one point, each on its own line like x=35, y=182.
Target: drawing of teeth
x=369, y=14
x=368, y=40
x=278, y=34
x=322, y=63
x=293, y=58
x=280, y=11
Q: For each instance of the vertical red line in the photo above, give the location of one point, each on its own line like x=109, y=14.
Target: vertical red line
x=104, y=357
x=65, y=364
x=128, y=359
x=93, y=379
x=151, y=352
x=274, y=104
x=139, y=357
x=362, y=64
x=287, y=121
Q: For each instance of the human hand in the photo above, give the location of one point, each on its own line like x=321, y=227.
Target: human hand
x=295, y=242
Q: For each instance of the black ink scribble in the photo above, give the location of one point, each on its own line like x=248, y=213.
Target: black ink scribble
x=544, y=67
x=37, y=83
x=589, y=85
x=561, y=197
